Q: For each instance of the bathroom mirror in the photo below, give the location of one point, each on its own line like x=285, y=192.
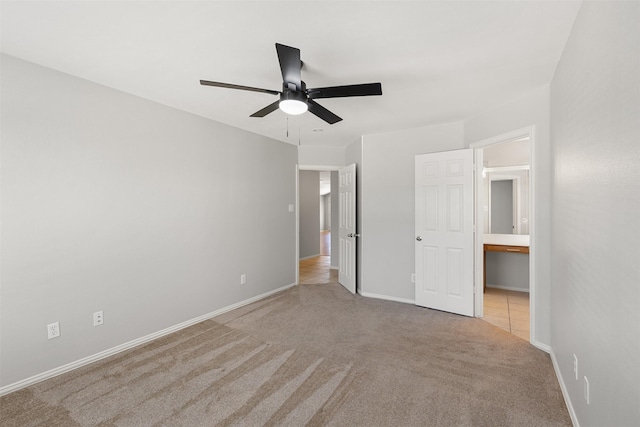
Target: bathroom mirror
x=507, y=200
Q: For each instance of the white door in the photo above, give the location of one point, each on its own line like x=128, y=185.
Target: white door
x=347, y=227
x=444, y=231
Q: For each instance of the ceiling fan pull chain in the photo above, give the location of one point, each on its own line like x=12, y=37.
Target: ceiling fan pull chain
x=287, y=127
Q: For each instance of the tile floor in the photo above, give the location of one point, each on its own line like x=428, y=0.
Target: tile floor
x=317, y=270
x=508, y=310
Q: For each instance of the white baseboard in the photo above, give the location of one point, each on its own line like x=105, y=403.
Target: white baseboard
x=507, y=288
x=310, y=256
x=334, y=268
x=563, y=387
x=134, y=343
x=542, y=346
x=387, y=297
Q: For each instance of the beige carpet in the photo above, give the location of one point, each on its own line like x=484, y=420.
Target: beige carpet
x=311, y=355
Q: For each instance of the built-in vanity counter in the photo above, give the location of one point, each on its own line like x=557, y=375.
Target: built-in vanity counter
x=513, y=243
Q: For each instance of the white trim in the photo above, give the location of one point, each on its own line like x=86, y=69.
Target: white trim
x=388, y=298
x=310, y=256
x=565, y=392
x=542, y=346
x=134, y=343
x=319, y=168
x=505, y=137
x=297, y=243
x=506, y=168
x=507, y=288
x=478, y=230
x=533, y=248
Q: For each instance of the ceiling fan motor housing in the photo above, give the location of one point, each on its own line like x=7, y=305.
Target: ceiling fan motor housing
x=293, y=101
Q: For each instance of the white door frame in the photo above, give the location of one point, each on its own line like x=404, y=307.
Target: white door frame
x=297, y=209
x=298, y=169
x=529, y=131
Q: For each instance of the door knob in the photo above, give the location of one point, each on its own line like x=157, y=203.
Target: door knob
x=350, y=235
x=419, y=238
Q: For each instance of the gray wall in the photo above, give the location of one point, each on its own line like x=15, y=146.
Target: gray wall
x=325, y=212
x=112, y=202
x=595, y=116
x=387, y=225
x=508, y=271
x=335, y=222
x=529, y=109
x=309, y=189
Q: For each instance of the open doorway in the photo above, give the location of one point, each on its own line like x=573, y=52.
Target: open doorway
x=318, y=206
x=325, y=213
x=504, y=248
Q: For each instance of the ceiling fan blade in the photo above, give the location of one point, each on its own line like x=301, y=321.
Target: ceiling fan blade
x=266, y=110
x=366, y=89
x=290, y=65
x=322, y=112
x=231, y=86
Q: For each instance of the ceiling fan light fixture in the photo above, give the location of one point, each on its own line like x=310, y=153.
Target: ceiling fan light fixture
x=293, y=107
x=293, y=103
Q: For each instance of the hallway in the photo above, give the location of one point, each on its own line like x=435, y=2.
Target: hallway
x=318, y=269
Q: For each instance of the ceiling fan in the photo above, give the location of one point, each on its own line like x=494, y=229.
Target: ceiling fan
x=295, y=98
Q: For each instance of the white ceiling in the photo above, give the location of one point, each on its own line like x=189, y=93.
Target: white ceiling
x=438, y=61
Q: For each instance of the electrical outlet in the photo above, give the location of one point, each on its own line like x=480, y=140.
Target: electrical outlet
x=575, y=366
x=53, y=330
x=98, y=318
x=586, y=390
x=243, y=279
x=413, y=277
